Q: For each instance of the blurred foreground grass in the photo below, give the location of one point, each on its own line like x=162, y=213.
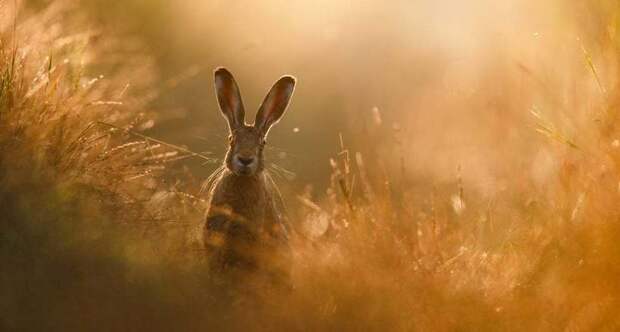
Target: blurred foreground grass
x=99, y=226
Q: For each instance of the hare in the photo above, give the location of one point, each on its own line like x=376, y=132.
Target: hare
x=245, y=226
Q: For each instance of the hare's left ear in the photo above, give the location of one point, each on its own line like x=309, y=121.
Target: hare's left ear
x=274, y=105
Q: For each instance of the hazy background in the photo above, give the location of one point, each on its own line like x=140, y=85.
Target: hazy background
x=456, y=79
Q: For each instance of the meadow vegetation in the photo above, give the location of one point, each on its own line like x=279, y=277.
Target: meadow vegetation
x=100, y=220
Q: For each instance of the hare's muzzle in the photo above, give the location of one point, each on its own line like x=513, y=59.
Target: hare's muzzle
x=245, y=164
x=245, y=161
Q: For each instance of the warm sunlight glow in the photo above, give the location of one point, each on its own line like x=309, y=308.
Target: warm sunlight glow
x=309, y=165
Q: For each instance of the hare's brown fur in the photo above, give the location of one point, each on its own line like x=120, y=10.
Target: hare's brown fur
x=244, y=226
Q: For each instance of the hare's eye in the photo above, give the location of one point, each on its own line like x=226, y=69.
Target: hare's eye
x=231, y=138
x=263, y=142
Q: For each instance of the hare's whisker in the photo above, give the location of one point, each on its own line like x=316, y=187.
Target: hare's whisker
x=207, y=185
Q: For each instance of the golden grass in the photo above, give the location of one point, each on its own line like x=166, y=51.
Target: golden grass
x=96, y=236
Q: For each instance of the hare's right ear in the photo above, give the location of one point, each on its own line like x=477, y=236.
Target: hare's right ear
x=229, y=98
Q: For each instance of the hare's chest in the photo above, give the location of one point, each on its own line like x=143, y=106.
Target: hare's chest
x=242, y=198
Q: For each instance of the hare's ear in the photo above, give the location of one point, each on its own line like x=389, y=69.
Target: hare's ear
x=229, y=98
x=275, y=103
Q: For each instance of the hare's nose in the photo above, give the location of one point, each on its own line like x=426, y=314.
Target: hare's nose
x=245, y=161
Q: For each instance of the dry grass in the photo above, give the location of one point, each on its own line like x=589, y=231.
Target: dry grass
x=97, y=235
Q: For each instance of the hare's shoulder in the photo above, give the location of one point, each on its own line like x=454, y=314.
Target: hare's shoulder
x=275, y=208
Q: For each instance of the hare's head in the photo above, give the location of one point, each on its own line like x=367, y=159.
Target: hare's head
x=245, y=153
